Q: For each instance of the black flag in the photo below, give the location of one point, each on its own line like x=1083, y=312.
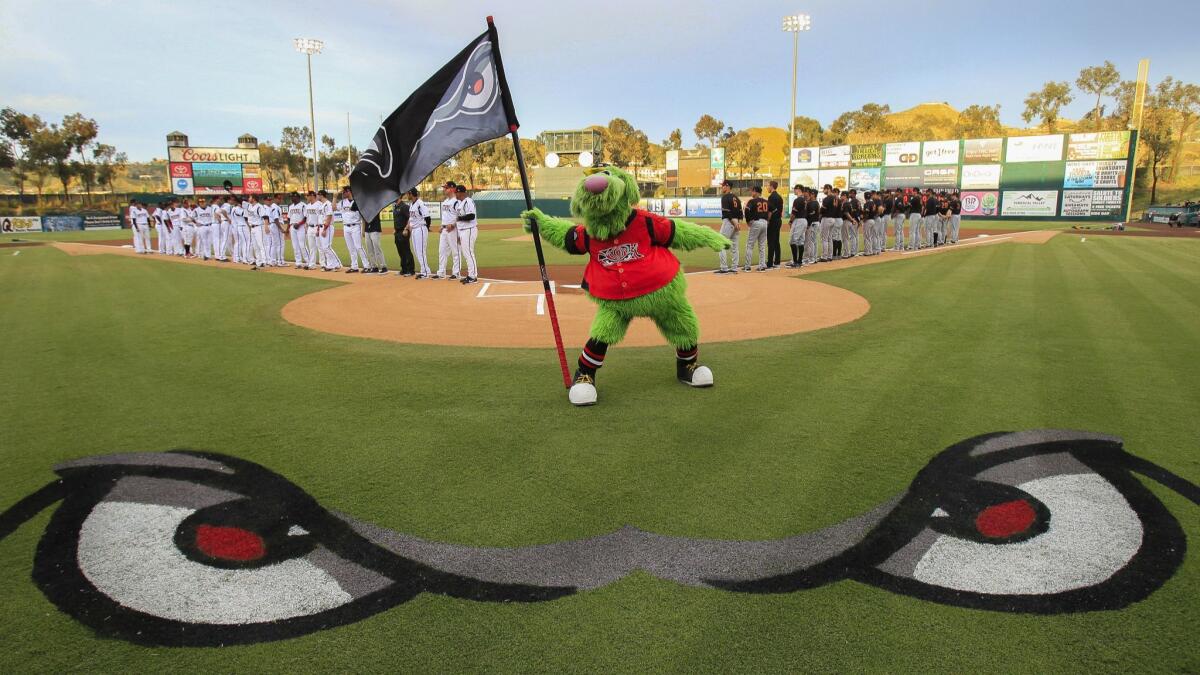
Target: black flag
x=463, y=104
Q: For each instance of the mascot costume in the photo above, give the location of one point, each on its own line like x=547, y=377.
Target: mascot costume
x=631, y=272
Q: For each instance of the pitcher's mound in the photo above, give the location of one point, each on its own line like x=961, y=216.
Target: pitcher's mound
x=494, y=313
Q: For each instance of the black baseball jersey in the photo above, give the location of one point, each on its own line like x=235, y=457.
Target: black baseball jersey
x=757, y=209
x=731, y=207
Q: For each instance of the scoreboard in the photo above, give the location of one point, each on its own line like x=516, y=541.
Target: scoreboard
x=209, y=171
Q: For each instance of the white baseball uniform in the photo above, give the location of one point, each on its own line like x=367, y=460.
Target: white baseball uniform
x=223, y=232
x=448, y=239
x=256, y=222
x=332, y=261
x=299, y=233
x=352, y=231
x=241, y=234
x=467, y=233
x=274, y=235
x=418, y=234
x=140, y=224
x=312, y=219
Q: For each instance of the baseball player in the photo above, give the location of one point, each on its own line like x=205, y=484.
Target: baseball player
x=200, y=235
x=898, y=218
x=916, y=221
x=868, y=220
x=241, y=231
x=179, y=220
x=331, y=262
x=799, y=224
x=373, y=231
x=731, y=224
x=419, y=221
x=255, y=241
x=849, y=225
x=828, y=223
x=160, y=229
x=955, y=217
x=758, y=212
x=205, y=215
x=313, y=216
x=139, y=222
x=274, y=233
x=352, y=231
x=298, y=231
x=447, y=237
x=813, y=216
x=468, y=231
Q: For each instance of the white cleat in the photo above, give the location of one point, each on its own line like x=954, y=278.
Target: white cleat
x=583, y=392
x=696, y=376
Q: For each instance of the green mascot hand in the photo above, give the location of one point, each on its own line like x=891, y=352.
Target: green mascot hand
x=552, y=230
x=690, y=236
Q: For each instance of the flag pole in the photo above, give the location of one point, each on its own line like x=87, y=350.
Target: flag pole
x=533, y=226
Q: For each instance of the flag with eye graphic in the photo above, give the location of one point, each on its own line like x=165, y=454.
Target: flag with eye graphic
x=463, y=104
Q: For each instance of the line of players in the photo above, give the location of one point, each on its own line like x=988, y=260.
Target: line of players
x=247, y=231
x=828, y=225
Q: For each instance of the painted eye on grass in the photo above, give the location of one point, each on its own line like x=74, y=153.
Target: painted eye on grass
x=241, y=534
x=229, y=543
x=1007, y=519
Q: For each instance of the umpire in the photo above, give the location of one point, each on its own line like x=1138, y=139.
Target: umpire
x=408, y=266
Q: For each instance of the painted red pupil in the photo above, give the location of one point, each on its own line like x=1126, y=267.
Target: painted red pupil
x=229, y=543
x=478, y=86
x=1005, y=519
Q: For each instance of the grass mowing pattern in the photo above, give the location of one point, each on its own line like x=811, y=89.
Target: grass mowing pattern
x=106, y=354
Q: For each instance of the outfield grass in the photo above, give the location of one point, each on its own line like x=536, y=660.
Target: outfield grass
x=108, y=354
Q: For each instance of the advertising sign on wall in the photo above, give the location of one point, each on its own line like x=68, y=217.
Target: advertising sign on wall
x=674, y=207
x=835, y=157
x=652, y=205
x=61, y=223
x=1034, y=148
x=940, y=152
x=838, y=178
x=716, y=165
x=1091, y=203
x=1029, y=203
x=939, y=177
x=979, y=203
x=804, y=158
x=703, y=207
x=864, y=179
x=866, y=155
x=10, y=224
x=1102, y=174
x=207, y=170
x=805, y=178
x=903, y=154
x=982, y=150
x=903, y=177
x=1099, y=145
x=980, y=177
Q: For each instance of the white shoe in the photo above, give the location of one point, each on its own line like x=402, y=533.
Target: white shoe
x=582, y=393
x=701, y=376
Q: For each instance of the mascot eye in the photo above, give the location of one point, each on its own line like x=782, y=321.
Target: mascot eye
x=479, y=87
x=232, y=562
x=1072, y=531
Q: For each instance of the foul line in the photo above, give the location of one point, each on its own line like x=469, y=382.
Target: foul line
x=989, y=240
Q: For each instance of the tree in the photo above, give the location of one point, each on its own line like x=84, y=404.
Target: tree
x=1098, y=80
x=80, y=132
x=108, y=161
x=674, y=141
x=1046, y=103
x=869, y=124
x=274, y=164
x=625, y=145
x=17, y=131
x=1154, y=138
x=744, y=152
x=709, y=128
x=1184, y=101
x=808, y=131
x=976, y=121
x=297, y=141
x=53, y=147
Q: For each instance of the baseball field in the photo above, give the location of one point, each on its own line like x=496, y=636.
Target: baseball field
x=460, y=433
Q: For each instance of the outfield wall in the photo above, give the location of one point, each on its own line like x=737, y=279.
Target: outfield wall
x=1085, y=176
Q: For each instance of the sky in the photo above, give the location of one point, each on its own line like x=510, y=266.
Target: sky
x=217, y=69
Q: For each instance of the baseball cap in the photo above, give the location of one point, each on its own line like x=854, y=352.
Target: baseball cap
x=460, y=188
x=449, y=184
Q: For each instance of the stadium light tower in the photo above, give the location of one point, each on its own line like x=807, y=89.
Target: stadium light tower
x=308, y=47
x=794, y=24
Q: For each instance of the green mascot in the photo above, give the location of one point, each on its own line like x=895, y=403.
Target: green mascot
x=631, y=272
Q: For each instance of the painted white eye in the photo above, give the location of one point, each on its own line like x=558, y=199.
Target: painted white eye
x=127, y=551
x=1093, y=533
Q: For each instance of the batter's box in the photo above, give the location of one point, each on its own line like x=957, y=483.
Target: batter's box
x=517, y=289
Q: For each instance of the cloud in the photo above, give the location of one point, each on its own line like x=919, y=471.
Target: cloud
x=48, y=103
